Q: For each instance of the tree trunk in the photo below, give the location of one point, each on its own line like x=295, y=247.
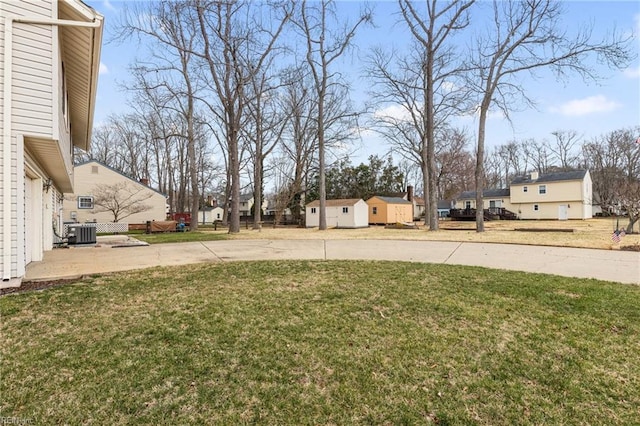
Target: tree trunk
x=322, y=224
x=480, y=168
x=257, y=190
x=193, y=165
x=234, y=165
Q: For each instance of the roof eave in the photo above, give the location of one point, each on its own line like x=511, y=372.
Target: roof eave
x=82, y=118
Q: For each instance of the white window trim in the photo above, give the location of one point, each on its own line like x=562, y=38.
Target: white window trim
x=84, y=198
x=345, y=210
x=536, y=207
x=540, y=187
x=525, y=189
x=313, y=210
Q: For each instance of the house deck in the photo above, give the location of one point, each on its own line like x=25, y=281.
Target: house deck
x=494, y=213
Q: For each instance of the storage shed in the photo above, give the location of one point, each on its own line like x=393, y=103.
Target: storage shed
x=385, y=210
x=341, y=213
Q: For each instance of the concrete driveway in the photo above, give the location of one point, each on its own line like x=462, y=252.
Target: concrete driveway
x=618, y=266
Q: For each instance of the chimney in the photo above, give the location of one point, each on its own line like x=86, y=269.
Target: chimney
x=534, y=175
x=410, y=193
x=209, y=200
x=144, y=181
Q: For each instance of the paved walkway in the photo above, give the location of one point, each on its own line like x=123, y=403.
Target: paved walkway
x=619, y=266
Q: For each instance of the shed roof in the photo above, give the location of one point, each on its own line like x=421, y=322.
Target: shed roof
x=550, y=177
x=336, y=203
x=390, y=200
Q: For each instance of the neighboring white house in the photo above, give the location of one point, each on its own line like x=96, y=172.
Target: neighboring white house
x=92, y=178
x=210, y=214
x=247, y=202
x=342, y=213
x=49, y=63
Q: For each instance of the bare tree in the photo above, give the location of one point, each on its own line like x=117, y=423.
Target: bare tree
x=512, y=160
x=299, y=142
x=234, y=49
x=170, y=26
x=614, y=163
x=324, y=46
x=537, y=155
x=564, y=148
x=263, y=131
x=437, y=72
x=526, y=37
x=121, y=199
x=454, y=163
x=423, y=84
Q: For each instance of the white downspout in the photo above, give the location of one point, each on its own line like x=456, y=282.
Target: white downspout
x=6, y=151
x=7, y=133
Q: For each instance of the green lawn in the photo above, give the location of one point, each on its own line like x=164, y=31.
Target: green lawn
x=323, y=343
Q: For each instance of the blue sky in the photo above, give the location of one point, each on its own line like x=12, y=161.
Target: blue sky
x=588, y=108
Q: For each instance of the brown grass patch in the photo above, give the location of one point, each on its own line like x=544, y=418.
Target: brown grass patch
x=592, y=233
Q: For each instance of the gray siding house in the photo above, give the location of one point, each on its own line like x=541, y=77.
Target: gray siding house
x=49, y=63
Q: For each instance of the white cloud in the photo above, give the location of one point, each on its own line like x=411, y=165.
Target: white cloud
x=588, y=105
x=449, y=86
x=107, y=5
x=632, y=72
x=103, y=69
x=397, y=112
x=492, y=114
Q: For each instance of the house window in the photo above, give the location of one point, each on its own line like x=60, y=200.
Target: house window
x=85, y=202
x=542, y=189
x=536, y=207
x=374, y=210
x=313, y=210
x=217, y=215
x=467, y=204
x=525, y=189
x=345, y=210
x=65, y=98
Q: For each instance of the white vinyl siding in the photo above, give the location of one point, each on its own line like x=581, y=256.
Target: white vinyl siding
x=85, y=182
x=28, y=7
x=31, y=113
x=33, y=69
x=33, y=98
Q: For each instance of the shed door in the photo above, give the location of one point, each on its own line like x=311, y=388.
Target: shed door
x=563, y=212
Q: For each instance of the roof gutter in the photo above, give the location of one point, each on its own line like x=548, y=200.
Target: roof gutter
x=7, y=133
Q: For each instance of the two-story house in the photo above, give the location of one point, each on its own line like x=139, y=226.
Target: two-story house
x=136, y=201
x=559, y=195
x=49, y=63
